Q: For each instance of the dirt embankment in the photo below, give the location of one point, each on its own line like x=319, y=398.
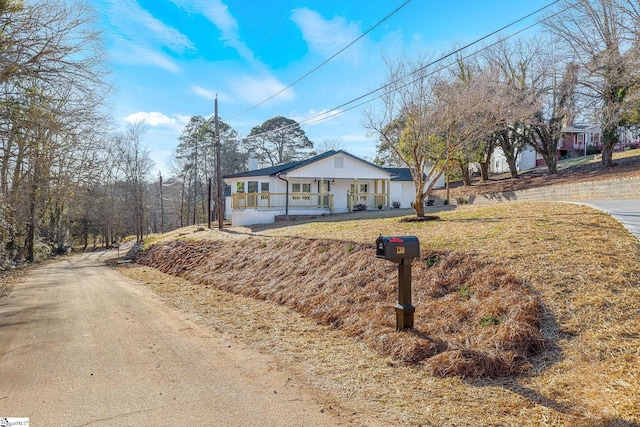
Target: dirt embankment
x=481, y=320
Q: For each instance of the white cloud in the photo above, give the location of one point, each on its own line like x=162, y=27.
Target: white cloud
x=139, y=26
x=218, y=14
x=254, y=90
x=182, y=119
x=138, y=37
x=204, y=93
x=140, y=55
x=152, y=118
x=327, y=36
x=314, y=117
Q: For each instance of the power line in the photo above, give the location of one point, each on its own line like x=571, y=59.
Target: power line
x=324, y=116
x=320, y=117
x=323, y=63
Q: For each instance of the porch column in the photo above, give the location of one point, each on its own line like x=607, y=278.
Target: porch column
x=388, y=182
x=321, y=192
x=356, y=191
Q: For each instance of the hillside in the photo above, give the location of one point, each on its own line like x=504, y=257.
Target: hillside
x=313, y=295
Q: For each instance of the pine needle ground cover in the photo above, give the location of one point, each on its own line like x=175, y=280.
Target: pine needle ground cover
x=577, y=266
x=477, y=320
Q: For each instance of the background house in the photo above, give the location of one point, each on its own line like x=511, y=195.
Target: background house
x=403, y=189
x=525, y=160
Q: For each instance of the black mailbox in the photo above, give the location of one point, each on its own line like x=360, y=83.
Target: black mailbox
x=401, y=249
x=397, y=248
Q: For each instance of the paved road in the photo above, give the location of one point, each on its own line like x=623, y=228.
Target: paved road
x=625, y=211
x=81, y=345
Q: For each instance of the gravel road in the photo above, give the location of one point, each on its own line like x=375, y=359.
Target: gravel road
x=81, y=345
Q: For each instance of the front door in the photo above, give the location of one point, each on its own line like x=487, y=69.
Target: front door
x=324, y=186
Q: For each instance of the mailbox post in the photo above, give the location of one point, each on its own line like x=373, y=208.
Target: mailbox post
x=402, y=250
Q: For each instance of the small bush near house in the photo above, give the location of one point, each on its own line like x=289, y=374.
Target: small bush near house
x=591, y=150
x=395, y=205
x=359, y=207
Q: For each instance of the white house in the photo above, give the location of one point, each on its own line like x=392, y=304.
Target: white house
x=525, y=160
x=331, y=182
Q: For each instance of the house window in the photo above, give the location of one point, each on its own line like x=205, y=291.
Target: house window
x=264, y=188
x=240, y=187
x=338, y=162
x=364, y=188
x=253, y=186
x=301, y=188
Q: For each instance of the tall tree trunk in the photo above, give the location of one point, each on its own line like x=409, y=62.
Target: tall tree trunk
x=609, y=140
x=484, y=171
x=466, y=175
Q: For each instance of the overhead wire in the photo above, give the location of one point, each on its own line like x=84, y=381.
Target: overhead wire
x=324, y=116
x=320, y=117
x=308, y=73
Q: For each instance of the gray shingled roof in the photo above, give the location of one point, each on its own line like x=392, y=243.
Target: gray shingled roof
x=287, y=167
x=402, y=174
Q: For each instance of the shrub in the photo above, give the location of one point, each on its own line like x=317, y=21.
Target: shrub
x=359, y=207
x=591, y=150
x=395, y=205
x=41, y=250
x=431, y=261
x=465, y=292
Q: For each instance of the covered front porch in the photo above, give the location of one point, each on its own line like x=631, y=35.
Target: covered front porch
x=336, y=195
x=293, y=201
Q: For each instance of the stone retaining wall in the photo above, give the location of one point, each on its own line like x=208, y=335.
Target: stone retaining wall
x=624, y=188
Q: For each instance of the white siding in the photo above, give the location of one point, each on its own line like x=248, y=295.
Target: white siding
x=524, y=161
x=403, y=192
x=351, y=168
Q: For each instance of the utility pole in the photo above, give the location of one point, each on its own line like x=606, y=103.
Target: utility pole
x=161, y=205
x=218, y=177
x=209, y=205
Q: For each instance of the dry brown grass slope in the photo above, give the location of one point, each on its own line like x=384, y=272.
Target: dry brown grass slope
x=482, y=321
x=579, y=263
x=580, y=266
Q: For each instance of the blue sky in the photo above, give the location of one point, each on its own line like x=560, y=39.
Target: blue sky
x=171, y=57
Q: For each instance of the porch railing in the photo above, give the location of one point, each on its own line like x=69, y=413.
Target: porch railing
x=278, y=200
x=369, y=200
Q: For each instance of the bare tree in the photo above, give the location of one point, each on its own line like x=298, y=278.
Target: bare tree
x=402, y=120
x=558, y=110
x=602, y=37
x=520, y=74
x=52, y=84
x=136, y=166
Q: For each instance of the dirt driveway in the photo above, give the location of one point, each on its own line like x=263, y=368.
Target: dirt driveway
x=81, y=345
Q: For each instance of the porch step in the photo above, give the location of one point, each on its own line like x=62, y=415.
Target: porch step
x=295, y=217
